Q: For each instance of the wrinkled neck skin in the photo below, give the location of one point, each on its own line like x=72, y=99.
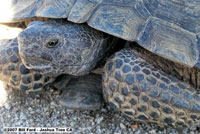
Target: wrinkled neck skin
x=58, y=47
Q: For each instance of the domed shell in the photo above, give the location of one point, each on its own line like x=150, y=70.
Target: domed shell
x=169, y=28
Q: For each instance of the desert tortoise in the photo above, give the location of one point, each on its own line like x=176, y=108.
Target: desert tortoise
x=167, y=28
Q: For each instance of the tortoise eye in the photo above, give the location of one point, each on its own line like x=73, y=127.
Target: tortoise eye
x=53, y=43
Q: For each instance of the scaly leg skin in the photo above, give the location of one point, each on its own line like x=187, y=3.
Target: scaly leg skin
x=14, y=74
x=146, y=94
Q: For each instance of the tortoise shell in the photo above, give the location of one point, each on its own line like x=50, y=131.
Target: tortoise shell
x=169, y=28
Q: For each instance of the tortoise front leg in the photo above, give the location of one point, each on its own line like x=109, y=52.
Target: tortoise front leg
x=146, y=94
x=13, y=72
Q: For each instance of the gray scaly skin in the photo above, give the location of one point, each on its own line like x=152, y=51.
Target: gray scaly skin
x=13, y=72
x=58, y=47
x=144, y=93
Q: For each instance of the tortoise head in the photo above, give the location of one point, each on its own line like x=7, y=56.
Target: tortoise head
x=57, y=47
